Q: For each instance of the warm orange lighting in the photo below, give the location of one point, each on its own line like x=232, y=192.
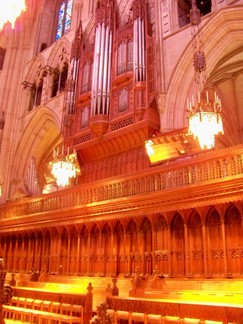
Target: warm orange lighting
x=205, y=121
x=149, y=147
x=10, y=10
x=64, y=168
x=171, y=146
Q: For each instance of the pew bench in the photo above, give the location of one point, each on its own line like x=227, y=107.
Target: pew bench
x=160, y=311
x=134, y=317
x=34, y=298
x=38, y=316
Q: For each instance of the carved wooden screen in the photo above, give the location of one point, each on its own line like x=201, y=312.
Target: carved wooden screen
x=234, y=241
x=195, y=245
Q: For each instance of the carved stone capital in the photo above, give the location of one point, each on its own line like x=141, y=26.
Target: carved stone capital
x=161, y=99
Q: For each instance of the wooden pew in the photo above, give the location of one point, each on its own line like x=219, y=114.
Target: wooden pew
x=61, y=296
x=27, y=315
x=173, y=311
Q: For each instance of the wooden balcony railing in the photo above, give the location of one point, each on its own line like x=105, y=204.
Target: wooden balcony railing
x=181, y=174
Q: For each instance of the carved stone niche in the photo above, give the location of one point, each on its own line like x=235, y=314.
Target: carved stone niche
x=99, y=124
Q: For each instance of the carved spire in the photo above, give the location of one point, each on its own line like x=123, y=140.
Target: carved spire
x=77, y=43
x=104, y=12
x=139, y=9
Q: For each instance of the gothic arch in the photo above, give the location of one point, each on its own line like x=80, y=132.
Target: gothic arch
x=213, y=241
x=182, y=85
x=33, y=71
x=33, y=80
x=132, y=244
x=84, y=248
x=146, y=237
x=94, y=249
x=120, y=246
x=162, y=242
x=195, y=244
x=177, y=245
x=40, y=135
x=60, y=53
x=234, y=240
x=105, y=249
x=146, y=232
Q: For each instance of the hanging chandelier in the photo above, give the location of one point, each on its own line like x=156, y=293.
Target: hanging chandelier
x=204, y=118
x=64, y=167
x=10, y=11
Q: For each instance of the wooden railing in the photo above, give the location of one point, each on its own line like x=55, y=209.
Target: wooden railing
x=205, y=169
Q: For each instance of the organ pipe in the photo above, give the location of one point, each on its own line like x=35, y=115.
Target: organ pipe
x=139, y=50
x=139, y=40
x=143, y=49
x=71, y=84
x=135, y=53
x=106, y=68
x=109, y=75
x=102, y=60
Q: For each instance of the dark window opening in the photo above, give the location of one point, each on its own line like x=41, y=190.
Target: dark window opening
x=59, y=81
x=2, y=56
x=55, y=84
x=63, y=78
x=35, y=96
x=38, y=94
x=184, y=7
x=43, y=46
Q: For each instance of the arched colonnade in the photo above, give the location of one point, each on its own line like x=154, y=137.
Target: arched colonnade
x=193, y=243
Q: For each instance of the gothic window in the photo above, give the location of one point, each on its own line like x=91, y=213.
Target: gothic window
x=63, y=78
x=125, y=57
x=123, y=100
x=55, y=82
x=59, y=80
x=64, y=18
x=85, y=117
x=31, y=179
x=2, y=55
x=35, y=95
x=184, y=7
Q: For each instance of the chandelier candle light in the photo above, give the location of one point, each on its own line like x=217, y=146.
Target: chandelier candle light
x=205, y=121
x=64, y=167
x=10, y=10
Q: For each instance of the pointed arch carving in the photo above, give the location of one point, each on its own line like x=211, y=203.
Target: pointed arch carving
x=213, y=236
x=40, y=135
x=182, y=84
x=234, y=240
x=177, y=245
